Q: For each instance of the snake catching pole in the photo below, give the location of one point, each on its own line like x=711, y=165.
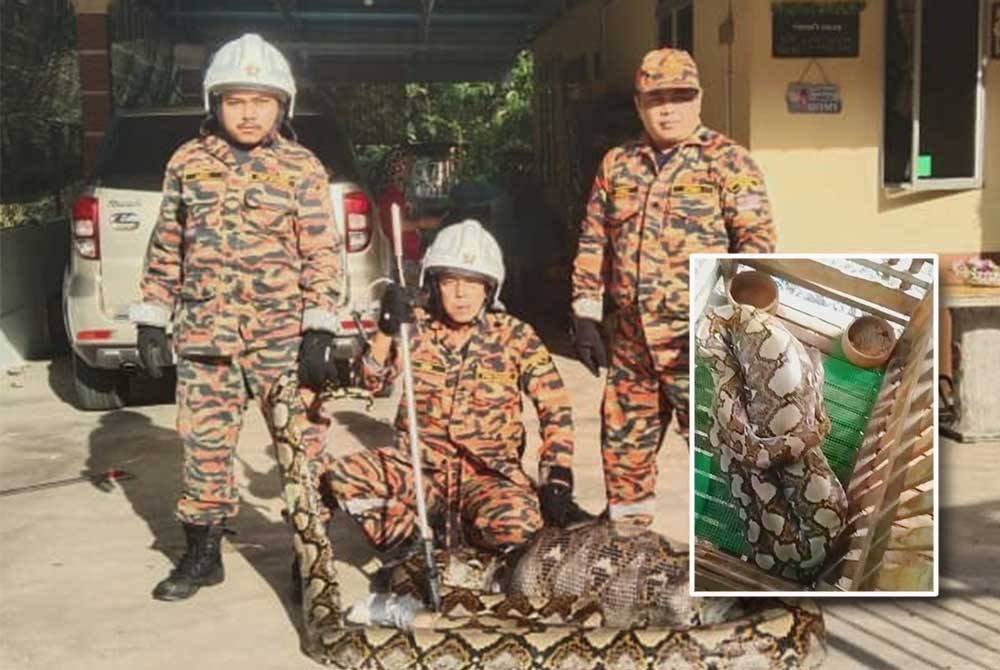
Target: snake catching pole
x=427, y=538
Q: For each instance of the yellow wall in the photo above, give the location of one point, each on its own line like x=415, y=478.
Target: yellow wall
x=724, y=70
x=822, y=170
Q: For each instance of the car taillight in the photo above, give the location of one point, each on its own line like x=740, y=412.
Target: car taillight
x=91, y=335
x=85, y=227
x=357, y=209
x=351, y=326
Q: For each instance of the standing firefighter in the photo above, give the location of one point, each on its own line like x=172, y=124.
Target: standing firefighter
x=244, y=258
x=682, y=189
x=470, y=367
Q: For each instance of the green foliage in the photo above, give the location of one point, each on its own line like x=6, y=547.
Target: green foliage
x=490, y=121
x=39, y=107
x=40, y=104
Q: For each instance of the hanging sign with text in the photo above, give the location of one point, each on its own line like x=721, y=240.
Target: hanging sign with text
x=814, y=34
x=804, y=98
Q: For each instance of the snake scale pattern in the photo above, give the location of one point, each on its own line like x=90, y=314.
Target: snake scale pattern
x=769, y=423
x=554, y=630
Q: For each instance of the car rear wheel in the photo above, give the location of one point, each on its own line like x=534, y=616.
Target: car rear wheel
x=98, y=389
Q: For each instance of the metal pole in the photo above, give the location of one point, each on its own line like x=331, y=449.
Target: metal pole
x=433, y=579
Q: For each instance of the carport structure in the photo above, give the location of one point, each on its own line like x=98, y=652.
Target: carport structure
x=329, y=42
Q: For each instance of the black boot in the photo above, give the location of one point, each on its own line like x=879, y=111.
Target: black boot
x=200, y=566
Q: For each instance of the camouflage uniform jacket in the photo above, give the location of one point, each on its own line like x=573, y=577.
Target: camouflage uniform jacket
x=642, y=222
x=471, y=401
x=245, y=249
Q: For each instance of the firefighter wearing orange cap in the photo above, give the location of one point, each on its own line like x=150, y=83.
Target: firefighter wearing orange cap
x=682, y=188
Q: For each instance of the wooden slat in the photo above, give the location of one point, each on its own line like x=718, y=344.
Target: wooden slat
x=871, y=554
x=892, y=272
x=873, y=492
x=718, y=571
x=920, y=321
x=915, y=572
x=920, y=538
x=864, y=294
x=922, y=471
x=922, y=503
x=919, y=472
x=809, y=322
x=920, y=439
x=812, y=338
x=916, y=576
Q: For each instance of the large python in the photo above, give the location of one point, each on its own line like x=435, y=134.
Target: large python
x=548, y=631
x=769, y=423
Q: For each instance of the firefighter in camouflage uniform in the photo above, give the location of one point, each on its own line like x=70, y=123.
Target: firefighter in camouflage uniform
x=471, y=365
x=681, y=189
x=244, y=260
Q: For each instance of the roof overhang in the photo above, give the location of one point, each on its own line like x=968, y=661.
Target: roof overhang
x=335, y=41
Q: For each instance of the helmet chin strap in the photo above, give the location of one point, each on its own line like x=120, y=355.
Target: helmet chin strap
x=451, y=323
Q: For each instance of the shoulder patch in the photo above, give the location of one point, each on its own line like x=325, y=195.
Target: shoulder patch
x=743, y=182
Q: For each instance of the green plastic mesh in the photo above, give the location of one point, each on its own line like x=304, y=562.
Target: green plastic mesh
x=848, y=395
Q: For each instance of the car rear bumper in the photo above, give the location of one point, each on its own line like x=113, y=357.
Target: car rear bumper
x=116, y=347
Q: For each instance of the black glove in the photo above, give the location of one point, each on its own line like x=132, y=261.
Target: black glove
x=316, y=362
x=556, y=497
x=589, y=345
x=396, y=309
x=153, y=350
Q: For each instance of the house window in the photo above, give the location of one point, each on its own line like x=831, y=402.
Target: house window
x=934, y=98
x=676, y=24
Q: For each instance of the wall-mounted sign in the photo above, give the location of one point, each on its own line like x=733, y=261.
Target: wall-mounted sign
x=805, y=98
x=995, y=31
x=815, y=30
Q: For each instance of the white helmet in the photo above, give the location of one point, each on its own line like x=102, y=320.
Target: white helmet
x=250, y=62
x=467, y=248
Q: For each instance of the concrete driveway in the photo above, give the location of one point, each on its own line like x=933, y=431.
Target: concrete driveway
x=78, y=560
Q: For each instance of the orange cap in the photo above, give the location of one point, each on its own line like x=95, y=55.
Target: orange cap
x=666, y=68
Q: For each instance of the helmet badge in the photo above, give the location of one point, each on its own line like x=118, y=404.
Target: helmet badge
x=468, y=258
x=251, y=70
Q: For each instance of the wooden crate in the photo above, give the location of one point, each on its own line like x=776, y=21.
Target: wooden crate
x=889, y=542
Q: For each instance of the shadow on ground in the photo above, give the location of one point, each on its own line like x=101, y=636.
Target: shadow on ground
x=152, y=456
x=970, y=544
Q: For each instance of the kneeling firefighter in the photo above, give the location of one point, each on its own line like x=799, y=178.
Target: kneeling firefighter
x=471, y=363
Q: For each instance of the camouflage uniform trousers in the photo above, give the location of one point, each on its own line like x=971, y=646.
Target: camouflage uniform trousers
x=212, y=395
x=496, y=510
x=639, y=398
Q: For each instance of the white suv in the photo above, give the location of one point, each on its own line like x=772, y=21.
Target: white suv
x=113, y=219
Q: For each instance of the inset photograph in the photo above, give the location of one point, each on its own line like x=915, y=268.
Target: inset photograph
x=814, y=441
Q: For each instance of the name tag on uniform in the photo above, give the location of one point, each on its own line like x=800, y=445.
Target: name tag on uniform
x=623, y=190
x=204, y=175
x=496, y=376
x=429, y=368
x=692, y=189
x=273, y=179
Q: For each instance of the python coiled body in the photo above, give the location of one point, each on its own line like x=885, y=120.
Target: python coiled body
x=511, y=632
x=768, y=425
